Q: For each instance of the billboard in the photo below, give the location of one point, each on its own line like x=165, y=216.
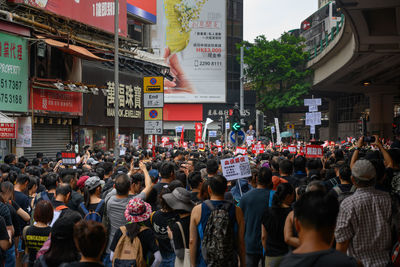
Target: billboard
x=191, y=36
x=96, y=13
x=146, y=10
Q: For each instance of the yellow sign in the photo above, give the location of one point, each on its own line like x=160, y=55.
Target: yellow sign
x=290, y=126
x=153, y=114
x=153, y=84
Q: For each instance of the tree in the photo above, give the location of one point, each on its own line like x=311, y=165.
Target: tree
x=277, y=71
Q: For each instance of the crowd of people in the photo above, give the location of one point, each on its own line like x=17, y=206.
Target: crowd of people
x=174, y=207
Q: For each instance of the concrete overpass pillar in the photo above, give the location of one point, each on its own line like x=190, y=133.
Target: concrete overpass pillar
x=333, y=126
x=380, y=114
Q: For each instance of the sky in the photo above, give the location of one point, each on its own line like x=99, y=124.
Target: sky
x=272, y=17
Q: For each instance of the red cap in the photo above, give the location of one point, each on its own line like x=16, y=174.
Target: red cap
x=81, y=181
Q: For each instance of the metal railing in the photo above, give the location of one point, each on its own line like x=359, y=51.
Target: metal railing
x=318, y=48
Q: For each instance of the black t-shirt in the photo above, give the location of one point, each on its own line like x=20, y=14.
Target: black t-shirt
x=176, y=232
x=3, y=236
x=323, y=258
x=147, y=239
x=292, y=180
x=159, y=222
x=5, y=213
x=274, y=222
x=15, y=217
x=34, y=240
x=152, y=198
x=23, y=202
x=92, y=206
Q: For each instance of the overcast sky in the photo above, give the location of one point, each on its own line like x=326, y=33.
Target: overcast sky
x=273, y=17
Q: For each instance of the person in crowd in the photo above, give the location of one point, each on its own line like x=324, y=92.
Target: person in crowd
x=35, y=235
x=167, y=173
x=273, y=223
x=212, y=168
x=180, y=202
x=195, y=183
x=90, y=239
x=136, y=214
x=63, y=196
x=286, y=171
x=345, y=188
x=202, y=239
x=366, y=209
x=11, y=160
x=92, y=201
x=62, y=247
x=70, y=177
x=5, y=239
x=50, y=182
x=251, y=204
x=315, y=218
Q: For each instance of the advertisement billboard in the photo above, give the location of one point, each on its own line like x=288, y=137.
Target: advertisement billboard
x=96, y=13
x=191, y=36
x=146, y=10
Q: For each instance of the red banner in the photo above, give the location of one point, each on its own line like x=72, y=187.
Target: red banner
x=96, y=13
x=52, y=100
x=8, y=130
x=258, y=149
x=292, y=149
x=314, y=151
x=241, y=150
x=199, y=129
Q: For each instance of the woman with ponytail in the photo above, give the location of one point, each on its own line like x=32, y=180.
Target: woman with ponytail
x=273, y=224
x=92, y=207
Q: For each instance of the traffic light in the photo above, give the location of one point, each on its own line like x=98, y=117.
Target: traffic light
x=235, y=120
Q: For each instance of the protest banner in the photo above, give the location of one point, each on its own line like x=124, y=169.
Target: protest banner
x=236, y=168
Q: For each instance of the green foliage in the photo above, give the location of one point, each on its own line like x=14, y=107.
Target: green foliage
x=276, y=70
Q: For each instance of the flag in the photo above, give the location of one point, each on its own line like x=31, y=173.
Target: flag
x=208, y=121
x=182, y=136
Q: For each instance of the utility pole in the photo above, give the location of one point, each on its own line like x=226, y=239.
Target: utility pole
x=241, y=82
x=116, y=79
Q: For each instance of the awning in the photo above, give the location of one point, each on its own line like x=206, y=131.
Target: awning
x=71, y=49
x=5, y=119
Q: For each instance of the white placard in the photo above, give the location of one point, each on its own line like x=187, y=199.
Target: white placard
x=153, y=100
x=312, y=108
x=153, y=127
x=236, y=168
x=313, y=118
x=249, y=140
x=272, y=129
x=212, y=133
x=278, y=132
x=312, y=129
x=312, y=102
x=24, y=137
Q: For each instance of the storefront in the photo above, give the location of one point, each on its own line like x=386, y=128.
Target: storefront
x=96, y=127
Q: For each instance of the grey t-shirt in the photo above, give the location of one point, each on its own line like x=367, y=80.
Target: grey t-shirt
x=115, y=210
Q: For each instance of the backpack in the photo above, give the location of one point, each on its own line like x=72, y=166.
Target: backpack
x=218, y=244
x=342, y=195
x=92, y=215
x=129, y=253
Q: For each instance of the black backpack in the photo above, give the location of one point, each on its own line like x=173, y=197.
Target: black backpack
x=342, y=195
x=218, y=244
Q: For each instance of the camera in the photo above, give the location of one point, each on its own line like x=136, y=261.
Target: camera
x=136, y=163
x=369, y=139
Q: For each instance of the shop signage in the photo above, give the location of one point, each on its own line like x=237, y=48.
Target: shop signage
x=199, y=129
x=130, y=100
x=96, y=13
x=8, y=130
x=236, y=168
x=13, y=73
x=52, y=100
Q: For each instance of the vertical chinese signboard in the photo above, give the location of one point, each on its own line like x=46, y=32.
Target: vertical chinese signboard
x=153, y=94
x=13, y=73
x=130, y=100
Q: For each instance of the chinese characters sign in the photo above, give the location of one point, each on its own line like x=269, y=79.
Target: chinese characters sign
x=52, y=100
x=236, y=168
x=68, y=158
x=13, y=73
x=314, y=151
x=199, y=129
x=129, y=100
x=8, y=130
x=258, y=148
x=96, y=13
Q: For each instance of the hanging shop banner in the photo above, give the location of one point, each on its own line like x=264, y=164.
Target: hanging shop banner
x=199, y=129
x=52, y=100
x=96, y=13
x=314, y=151
x=13, y=73
x=191, y=35
x=236, y=168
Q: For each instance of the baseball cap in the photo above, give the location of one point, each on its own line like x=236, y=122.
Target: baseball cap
x=93, y=182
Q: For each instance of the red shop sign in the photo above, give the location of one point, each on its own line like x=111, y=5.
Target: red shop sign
x=314, y=151
x=8, y=130
x=59, y=101
x=96, y=13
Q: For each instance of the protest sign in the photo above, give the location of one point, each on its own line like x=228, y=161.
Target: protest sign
x=236, y=168
x=314, y=151
x=258, y=149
